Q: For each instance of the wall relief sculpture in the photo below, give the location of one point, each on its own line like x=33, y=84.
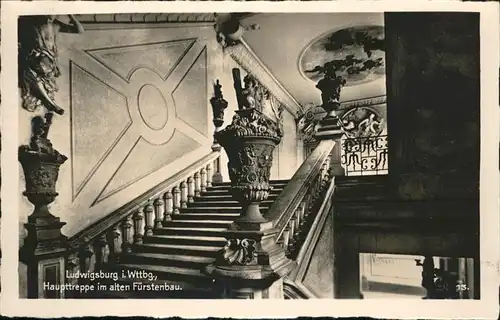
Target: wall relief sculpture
x=362, y=122
x=38, y=70
x=38, y=59
x=228, y=29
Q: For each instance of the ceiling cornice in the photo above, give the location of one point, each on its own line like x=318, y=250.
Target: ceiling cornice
x=147, y=18
x=248, y=60
x=365, y=102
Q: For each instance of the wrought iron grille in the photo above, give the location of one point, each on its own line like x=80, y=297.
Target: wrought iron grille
x=365, y=156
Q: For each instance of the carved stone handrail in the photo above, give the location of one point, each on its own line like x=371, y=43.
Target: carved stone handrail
x=285, y=206
x=93, y=231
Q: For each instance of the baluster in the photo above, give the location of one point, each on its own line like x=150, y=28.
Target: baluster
x=197, y=190
x=297, y=219
x=285, y=238
x=203, y=178
x=148, y=218
x=184, y=194
x=176, y=200
x=158, y=204
x=72, y=266
x=138, y=235
x=85, y=258
x=169, y=206
x=291, y=226
x=302, y=213
x=114, y=243
x=190, y=183
x=127, y=234
x=209, y=175
x=217, y=177
x=322, y=171
x=101, y=251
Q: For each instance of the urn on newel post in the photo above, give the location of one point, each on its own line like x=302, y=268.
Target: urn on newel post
x=251, y=265
x=219, y=104
x=40, y=163
x=45, y=247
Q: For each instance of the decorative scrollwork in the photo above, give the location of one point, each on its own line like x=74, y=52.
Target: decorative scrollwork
x=240, y=252
x=366, y=155
x=250, y=122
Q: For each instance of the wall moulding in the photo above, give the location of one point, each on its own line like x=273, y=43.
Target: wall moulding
x=248, y=60
x=147, y=18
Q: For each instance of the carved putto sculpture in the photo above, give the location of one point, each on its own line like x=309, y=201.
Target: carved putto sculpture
x=38, y=59
x=254, y=93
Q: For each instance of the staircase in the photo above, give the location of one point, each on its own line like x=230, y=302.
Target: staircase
x=178, y=251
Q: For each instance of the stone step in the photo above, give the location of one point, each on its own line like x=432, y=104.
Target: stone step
x=217, y=209
x=197, y=223
x=174, y=260
x=227, y=186
x=191, y=250
x=226, y=202
x=272, y=182
x=186, y=240
x=190, y=231
x=206, y=216
x=226, y=197
x=227, y=192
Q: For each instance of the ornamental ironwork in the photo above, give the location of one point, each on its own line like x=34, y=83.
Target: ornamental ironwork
x=365, y=155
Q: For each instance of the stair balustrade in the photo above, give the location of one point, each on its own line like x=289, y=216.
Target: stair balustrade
x=291, y=211
x=107, y=241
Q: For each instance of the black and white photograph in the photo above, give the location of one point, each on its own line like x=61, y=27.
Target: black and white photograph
x=252, y=155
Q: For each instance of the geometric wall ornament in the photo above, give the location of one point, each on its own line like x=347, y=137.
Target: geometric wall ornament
x=145, y=158
x=152, y=107
x=125, y=123
x=91, y=121
x=161, y=57
x=190, y=96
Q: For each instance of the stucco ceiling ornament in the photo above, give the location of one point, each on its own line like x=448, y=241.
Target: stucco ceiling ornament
x=343, y=58
x=229, y=30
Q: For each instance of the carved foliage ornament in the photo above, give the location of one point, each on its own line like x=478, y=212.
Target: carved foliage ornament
x=240, y=252
x=252, y=164
x=250, y=122
x=249, y=142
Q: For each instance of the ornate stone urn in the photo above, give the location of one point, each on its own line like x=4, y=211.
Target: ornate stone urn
x=40, y=163
x=252, y=264
x=249, y=142
x=330, y=87
x=219, y=104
